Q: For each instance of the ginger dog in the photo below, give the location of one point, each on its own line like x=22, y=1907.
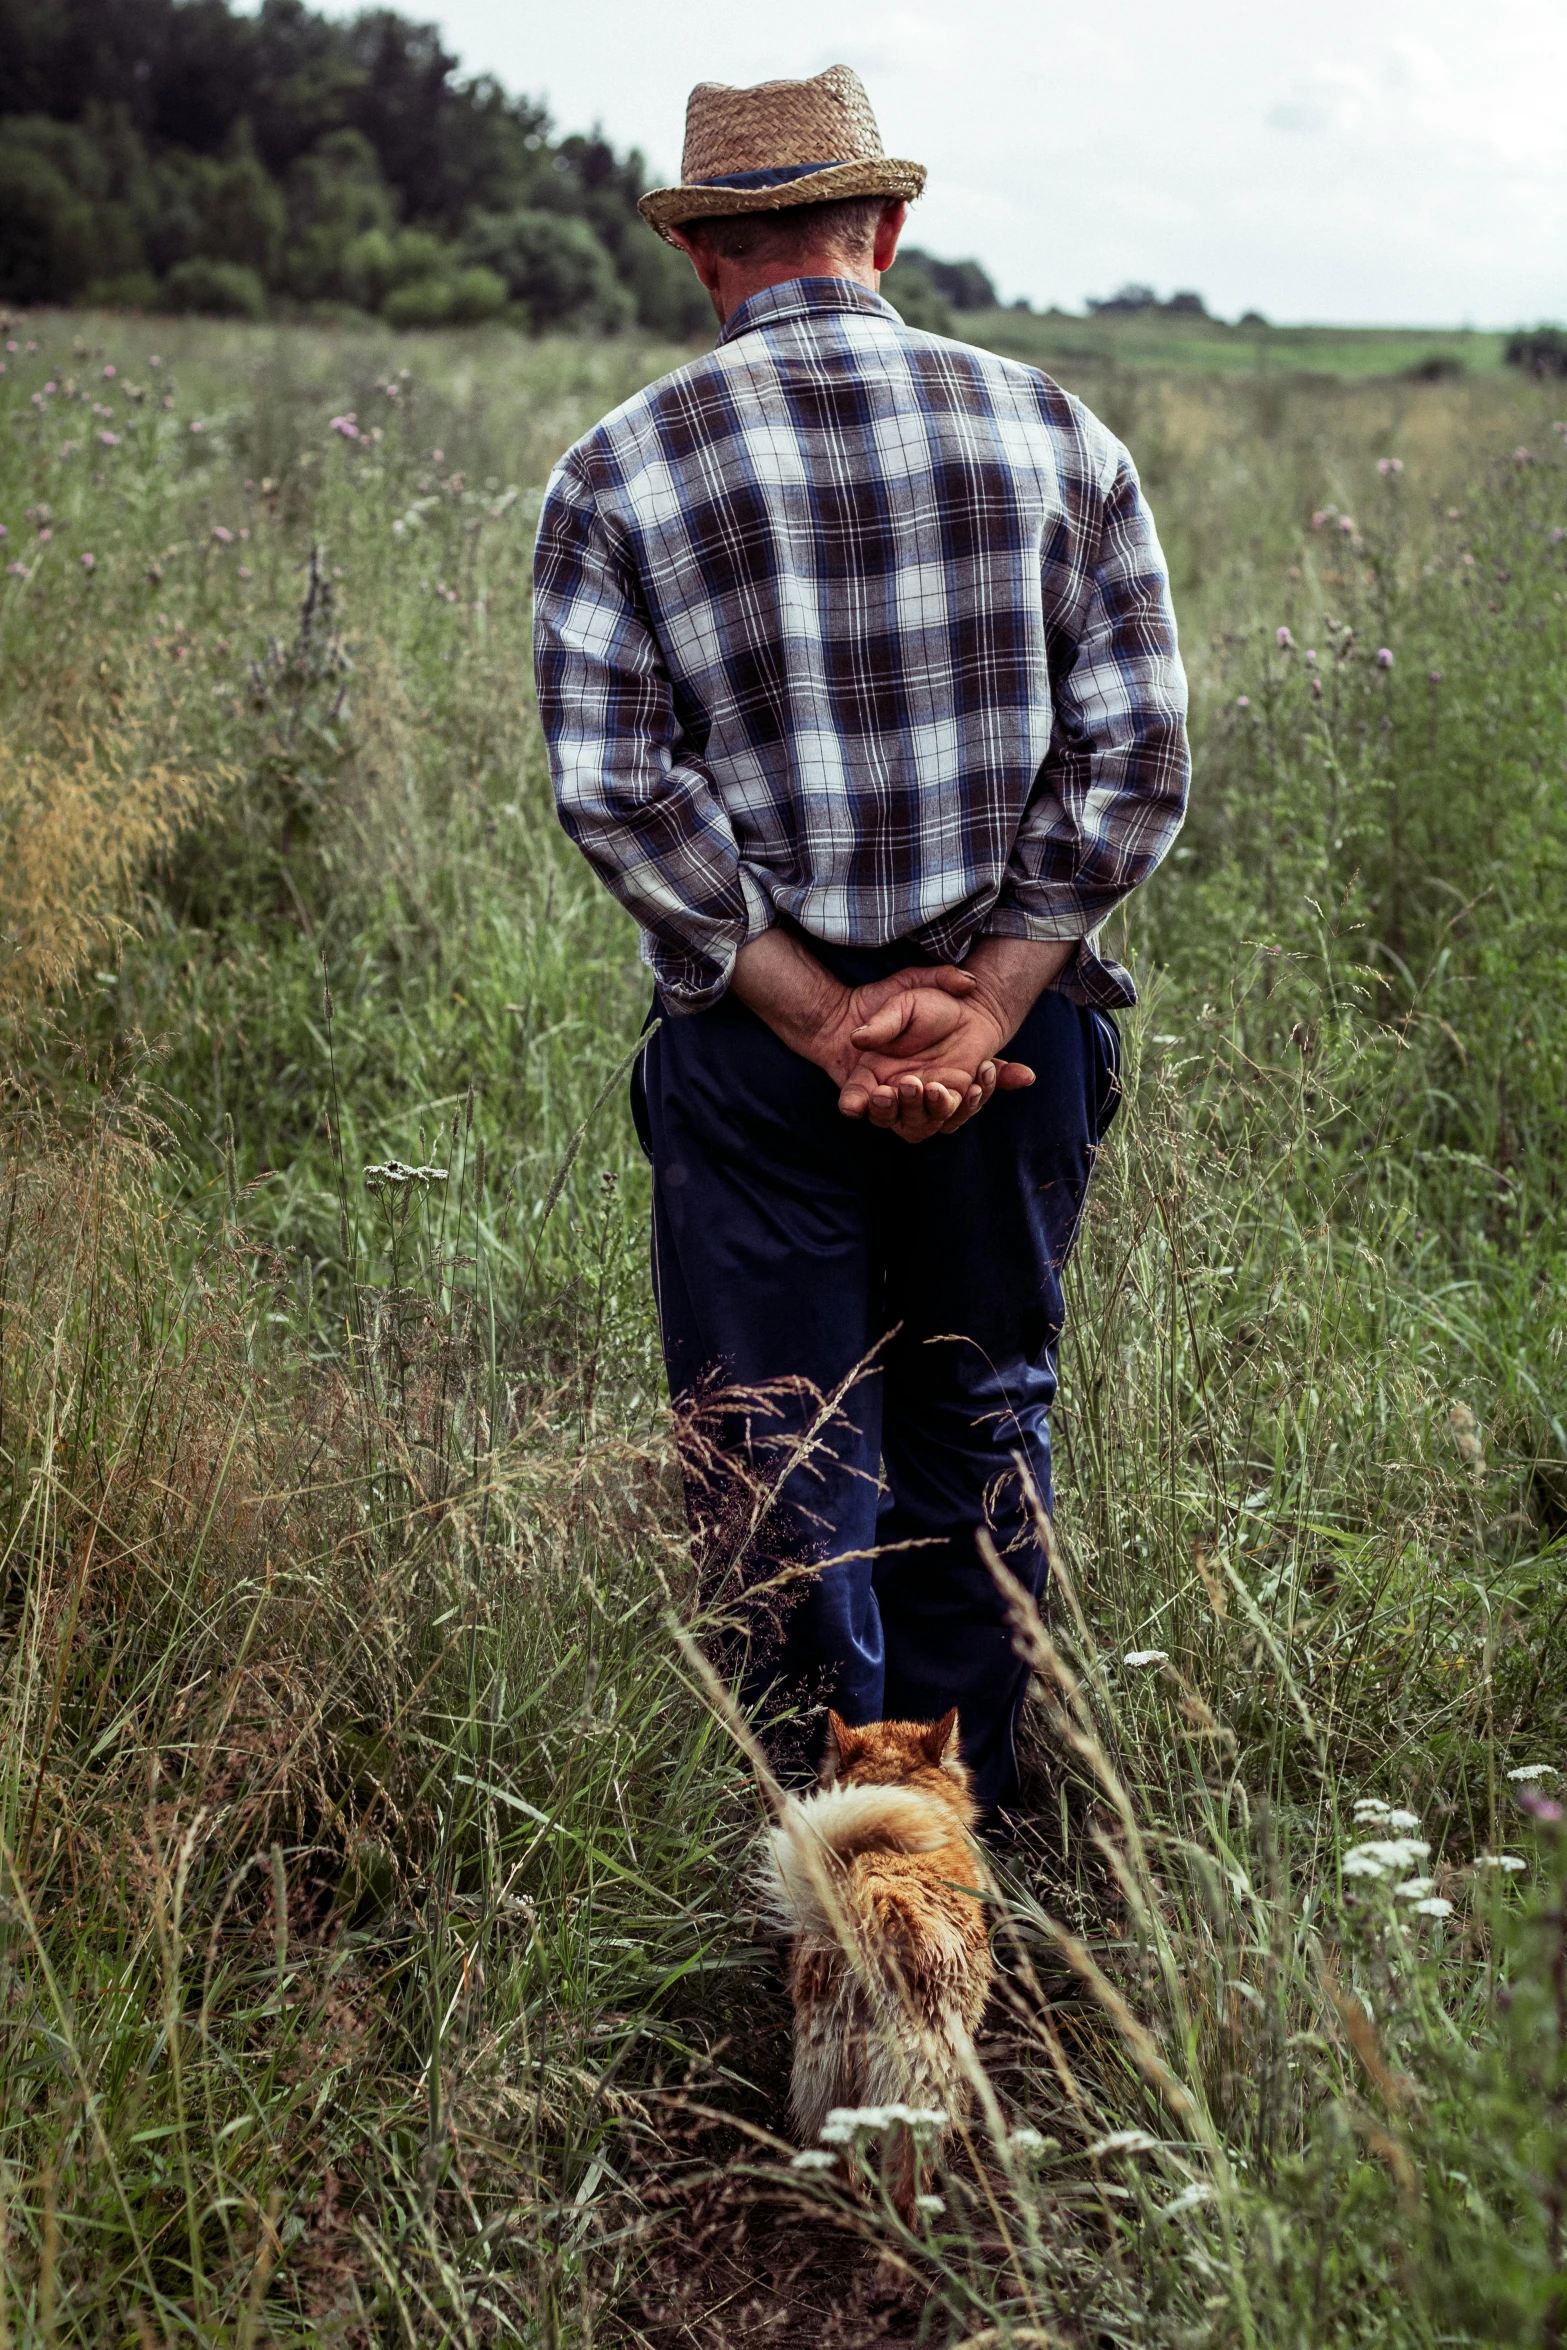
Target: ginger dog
x=878, y=1880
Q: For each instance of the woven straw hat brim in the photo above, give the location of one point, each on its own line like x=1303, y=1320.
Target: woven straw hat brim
x=874, y=175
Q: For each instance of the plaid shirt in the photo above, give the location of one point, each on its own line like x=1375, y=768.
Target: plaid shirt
x=862, y=627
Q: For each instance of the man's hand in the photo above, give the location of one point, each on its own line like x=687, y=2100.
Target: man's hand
x=919, y=1052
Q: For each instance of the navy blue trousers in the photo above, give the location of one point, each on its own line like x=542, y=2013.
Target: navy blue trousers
x=790, y=1244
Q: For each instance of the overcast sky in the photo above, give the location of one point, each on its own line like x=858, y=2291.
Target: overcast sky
x=1354, y=160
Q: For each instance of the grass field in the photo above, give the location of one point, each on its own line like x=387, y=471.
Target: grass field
x=1061, y=343
x=377, y=1966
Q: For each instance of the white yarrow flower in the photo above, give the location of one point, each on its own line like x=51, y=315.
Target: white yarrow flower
x=1146, y=1656
x=1383, y=1855
x=932, y=2204
x=1026, y=2141
x=1415, y=1888
x=1125, y=2142
x=1403, y=1819
x=1498, y=1860
x=1370, y=1809
x=813, y=2158
x=1436, y=1907
x=1188, y=2199
x=1526, y=1773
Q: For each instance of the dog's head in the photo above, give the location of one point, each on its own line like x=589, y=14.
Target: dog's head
x=898, y=1754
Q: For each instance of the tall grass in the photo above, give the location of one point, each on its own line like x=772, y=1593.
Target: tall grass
x=378, y=1965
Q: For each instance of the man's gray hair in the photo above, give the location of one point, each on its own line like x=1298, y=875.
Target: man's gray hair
x=847, y=228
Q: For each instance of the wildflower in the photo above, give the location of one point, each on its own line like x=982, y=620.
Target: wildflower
x=1528, y=1772
x=1382, y=1855
x=1543, y=1808
x=1557, y=535
x=813, y=2158
x=1188, y=2199
x=13, y=346
x=1436, y=676
x=1243, y=701
x=844, y=2121
x=1436, y=1907
x=1345, y=524
x=4, y=533
x=110, y=440
x=1124, y=2142
x=1369, y=1808
x=1452, y=513
x=45, y=535
x=1498, y=1860
x=1415, y=1888
x=196, y=426
x=18, y=571
x=437, y=456
x=932, y=2204
x=392, y=1173
x=1387, y=465
x=1384, y=658
x=1137, y=1657
x=155, y=361
x=346, y=425
x=1323, y=516
x=1522, y=457
x=1286, y=641
x=245, y=571
x=398, y=527
x=168, y=399
x=109, y=374
x=49, y=387
x=69, y=448
x=225, y=538
x=1310, y=656
x=89, y=562
x=1026, y=2142
x=1316, y=689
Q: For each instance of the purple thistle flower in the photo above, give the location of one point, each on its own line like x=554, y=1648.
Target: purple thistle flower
x=1286, y=641
x=1384, y=658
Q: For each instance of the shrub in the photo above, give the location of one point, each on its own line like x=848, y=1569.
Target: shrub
x=137, y=289
x=1542, y=351
x=463, y=297
x=218, y=289
x=553, y=264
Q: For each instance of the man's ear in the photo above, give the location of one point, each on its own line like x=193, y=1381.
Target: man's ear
x=839, y=1748
x=940, y=1741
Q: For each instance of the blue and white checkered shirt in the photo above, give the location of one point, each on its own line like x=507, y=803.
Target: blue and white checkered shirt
x=861, y=627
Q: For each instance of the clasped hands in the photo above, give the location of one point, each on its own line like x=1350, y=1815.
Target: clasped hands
x=919, y=1052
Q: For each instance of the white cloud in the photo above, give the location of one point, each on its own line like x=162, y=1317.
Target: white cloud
x=1394, y=160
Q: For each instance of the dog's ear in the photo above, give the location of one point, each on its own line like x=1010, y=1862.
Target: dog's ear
x=940, y=1741
x=839, y=1748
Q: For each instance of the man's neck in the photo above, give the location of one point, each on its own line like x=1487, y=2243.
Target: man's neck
x=739, y=280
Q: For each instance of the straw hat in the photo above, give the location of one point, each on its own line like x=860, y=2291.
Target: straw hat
x=776, y=144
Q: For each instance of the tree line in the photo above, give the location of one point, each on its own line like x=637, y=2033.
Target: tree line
x=175, y=154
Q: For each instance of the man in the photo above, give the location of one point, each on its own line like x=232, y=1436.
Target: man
x=859, y=676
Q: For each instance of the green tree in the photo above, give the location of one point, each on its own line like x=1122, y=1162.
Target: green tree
x=553, y=264
x=244, y=218
x=335, y=194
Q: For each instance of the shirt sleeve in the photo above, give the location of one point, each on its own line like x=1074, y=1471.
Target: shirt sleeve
x=1111, y=792
x=646, y=816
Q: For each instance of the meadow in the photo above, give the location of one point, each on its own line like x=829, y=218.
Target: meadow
x=376, y=1958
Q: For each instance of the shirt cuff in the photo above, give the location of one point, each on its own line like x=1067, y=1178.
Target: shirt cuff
x=691, y=981
x=1090, y=977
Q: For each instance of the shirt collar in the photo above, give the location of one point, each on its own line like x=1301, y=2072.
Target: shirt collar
x=803, y=297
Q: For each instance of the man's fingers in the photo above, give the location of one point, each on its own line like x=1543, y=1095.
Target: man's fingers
x=1013, y=1076
x=946, y=976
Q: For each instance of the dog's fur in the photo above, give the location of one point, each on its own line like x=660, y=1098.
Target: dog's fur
x=878, y=1880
